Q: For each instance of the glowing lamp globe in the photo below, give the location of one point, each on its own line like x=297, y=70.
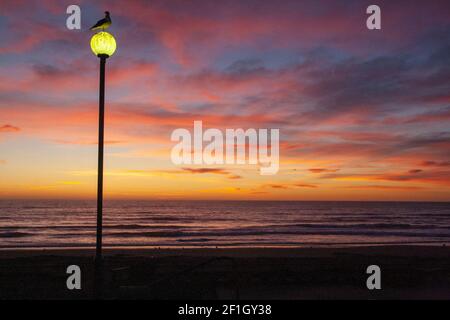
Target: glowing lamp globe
x=103, y=44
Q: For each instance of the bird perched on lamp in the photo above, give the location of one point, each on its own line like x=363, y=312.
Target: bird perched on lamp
x=104, y=23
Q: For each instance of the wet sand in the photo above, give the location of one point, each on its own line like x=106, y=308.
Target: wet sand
x=408, y=272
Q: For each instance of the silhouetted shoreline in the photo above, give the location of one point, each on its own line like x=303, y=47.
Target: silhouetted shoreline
x=408, y=272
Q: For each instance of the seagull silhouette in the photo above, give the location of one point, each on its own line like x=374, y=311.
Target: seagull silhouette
x=104, y=23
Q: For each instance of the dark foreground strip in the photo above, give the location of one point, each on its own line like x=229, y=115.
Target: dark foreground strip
x=264, y=309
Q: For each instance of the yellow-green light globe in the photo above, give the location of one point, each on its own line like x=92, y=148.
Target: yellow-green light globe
x=103, y=43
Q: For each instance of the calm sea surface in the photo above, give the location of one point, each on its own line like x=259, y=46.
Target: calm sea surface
x=222, y=223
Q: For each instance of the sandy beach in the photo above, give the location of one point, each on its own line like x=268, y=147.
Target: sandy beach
x=408, y=272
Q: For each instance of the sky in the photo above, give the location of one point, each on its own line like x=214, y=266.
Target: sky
x=363, y=114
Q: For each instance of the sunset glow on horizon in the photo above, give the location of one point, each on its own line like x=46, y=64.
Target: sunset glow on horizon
x=363, y=115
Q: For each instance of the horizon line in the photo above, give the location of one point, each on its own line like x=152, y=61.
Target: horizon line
x=216, y=200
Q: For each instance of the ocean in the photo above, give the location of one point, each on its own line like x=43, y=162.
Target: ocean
x=72, y=223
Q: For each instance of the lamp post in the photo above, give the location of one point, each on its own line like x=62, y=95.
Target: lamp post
x=103, y=45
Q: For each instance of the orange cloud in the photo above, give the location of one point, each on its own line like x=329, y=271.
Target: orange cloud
x=289, y=185
x=303, y=185
x=206, y=170
x=322, y=170
x=9, y=128
x=384, y=187
x=277, y=186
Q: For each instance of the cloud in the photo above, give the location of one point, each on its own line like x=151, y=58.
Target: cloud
x=24, y=42
x=219, y=171
x=322, y=170
x=377, y=106
x=69, y=183
x=9, y=128
x=289, y=185
x=206, y=170
x=83, y=142
x=303, y=185
x=439, y=177
x=190, y=33
x=441, y=115
x=435, y=163
x=277, y=186
x=48, y=71
x=384, y=187
x=183, y=171
x=429, y=177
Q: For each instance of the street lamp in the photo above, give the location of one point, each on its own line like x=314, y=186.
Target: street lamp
x=103, y=45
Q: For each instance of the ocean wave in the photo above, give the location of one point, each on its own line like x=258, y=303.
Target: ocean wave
x=15, y=234
x=197, y=223
x=244, y=232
